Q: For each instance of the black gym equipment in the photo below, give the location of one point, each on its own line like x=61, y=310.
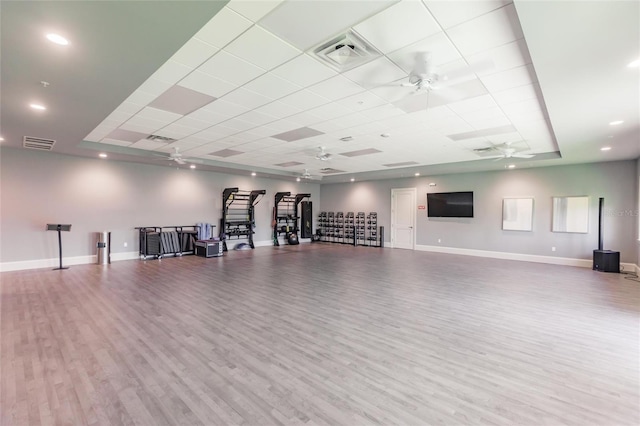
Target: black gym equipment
x=59, y=227
x=238, y=214
x=286, y=217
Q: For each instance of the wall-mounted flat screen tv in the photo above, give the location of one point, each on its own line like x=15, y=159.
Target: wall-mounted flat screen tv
x=450, y=204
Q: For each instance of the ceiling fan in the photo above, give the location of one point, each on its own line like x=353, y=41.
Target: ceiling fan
x=175, y=156
x=322, y=155
x=308, y=176
x=506, y=152
x=423, y=75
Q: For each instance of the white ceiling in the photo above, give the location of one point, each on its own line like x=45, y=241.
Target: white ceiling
x=239, y=88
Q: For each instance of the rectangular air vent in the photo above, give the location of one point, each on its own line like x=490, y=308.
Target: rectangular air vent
x=158, y=138
x=346, y=51
x=329, y=171
x=42, y=144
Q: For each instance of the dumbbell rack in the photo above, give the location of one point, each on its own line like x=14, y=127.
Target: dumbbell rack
x=358, y=229
x=372, y=229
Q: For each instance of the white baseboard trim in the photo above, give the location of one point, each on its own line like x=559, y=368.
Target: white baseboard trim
x=567, y=261
x=66, y=261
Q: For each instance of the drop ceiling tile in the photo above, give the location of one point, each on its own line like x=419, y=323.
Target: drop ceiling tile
x=304, y=100
x=118, y=117
x=262, y=48
x=129, y=108
x=207, y=116
x=330, y=111
x=226, y=108
x=362, y=101
x=217, y=132
x=297, y=134
x=171, y=72
x=194, y=53
x=127, y=135
x=505, y=57
x=337, y=87
x=472, y=104
x=154, y=86
x=304, y=119
x=142, y=128
x=225, y=26
x=189, y=121
x=139, y=97
x=383, y=112
x=394, y=91
x=177, y=131
x=402, y=24
x=531, y=115
x=98, y=133
x=253, y=9
x=224, y=153
x=147, y=144
x=482, y=133
x=498, y=27
x=509, y=79
x=272, y=86
x=307, y=23
x=450, y=13
x=204, y=83
x=504, y=138
x=181, y=100
x=158, y=115
x=230, y=68
x=375, y=73
x=329, y=126
x=518, y=94
x=257, y=118
x=278, y=109
x=438, y=45
x=239, y=125
x=304, y=71
x=246, y=98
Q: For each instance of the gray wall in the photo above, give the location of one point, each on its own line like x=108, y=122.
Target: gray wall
x=37, y=188
x=615, y=181
x=637, y=212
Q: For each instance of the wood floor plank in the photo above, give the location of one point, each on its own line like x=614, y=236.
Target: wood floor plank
x=319, y=334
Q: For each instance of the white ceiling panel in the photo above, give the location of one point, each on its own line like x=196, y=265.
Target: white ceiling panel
x=278, y=109
x=518, y=94
x=154, y=86
x=158, y=115
x=307, y=23
x=129, y=108
x=141, y=98
x=362, y=101
x=239, y=125
x=472, y=104
x=450, y=13
x=304, y=100
x=208, y=116
x=253, y=9
x=230, y=68
x=304, y=71
x=218, y=132
x=143, y=128
x=177, y=131
x=304, y=119
x=262, y=48
x=258, y=118
x=194, y=53
x=438, y=45
x=509, y=79
x=246, y=98
x=226, y=108
x=402, y=24
x=330, y=111
x=394, y=91
x=207, y=84
x=507, y=56
x=223, y=28
x=487, y=31
x=272, y=86
x=375, y=73
x=115, y=142
x=383, y=112
x=147, y=144
x=171, y=72
x=337, y=87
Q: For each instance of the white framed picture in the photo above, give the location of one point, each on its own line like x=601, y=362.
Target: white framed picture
x=517, y=214
x=571, y=214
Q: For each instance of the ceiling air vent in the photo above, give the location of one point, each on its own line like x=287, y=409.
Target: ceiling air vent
x=38, y=143
x=346, y=51
x=329, y=170
x=158, y=138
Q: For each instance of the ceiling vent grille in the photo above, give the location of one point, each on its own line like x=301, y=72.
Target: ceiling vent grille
x=329, y=170
x=158, y=138
x=346, y=51
x=41, y=144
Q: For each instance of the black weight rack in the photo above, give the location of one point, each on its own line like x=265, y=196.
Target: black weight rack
x=372, y=230
x=286, y=214
x=238, y=215
x=159, y=241
x=360, y=229
x=357, y=229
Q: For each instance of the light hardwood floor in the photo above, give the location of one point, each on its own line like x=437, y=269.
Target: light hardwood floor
x=320, y=334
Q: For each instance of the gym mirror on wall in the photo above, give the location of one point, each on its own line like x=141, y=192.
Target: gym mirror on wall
x=571, y=214
x=517, y=214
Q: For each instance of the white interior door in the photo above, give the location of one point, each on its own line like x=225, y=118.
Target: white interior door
x=403, y=218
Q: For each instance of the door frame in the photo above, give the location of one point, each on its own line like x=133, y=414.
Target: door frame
x=393, y=215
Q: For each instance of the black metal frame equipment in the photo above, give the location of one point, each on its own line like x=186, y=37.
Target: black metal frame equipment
x=286, y=218
x=159, y=241
x=238, y=214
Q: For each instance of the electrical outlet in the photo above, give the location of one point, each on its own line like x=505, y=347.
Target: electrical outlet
x=439, y=240
x=126, y=244
x=553, y=249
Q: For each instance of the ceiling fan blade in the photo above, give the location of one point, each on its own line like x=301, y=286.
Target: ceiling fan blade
x=523, y=155
x=179, y=161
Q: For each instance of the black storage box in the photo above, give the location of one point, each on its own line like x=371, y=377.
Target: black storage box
x=606, y=261
x=208, y=248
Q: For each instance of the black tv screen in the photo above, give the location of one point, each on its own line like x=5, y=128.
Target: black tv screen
x=450, y=204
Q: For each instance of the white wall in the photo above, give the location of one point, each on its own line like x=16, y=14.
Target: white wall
x=615, y=181
x=37, y=188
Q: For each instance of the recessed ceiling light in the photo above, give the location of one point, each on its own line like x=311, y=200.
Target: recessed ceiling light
x=192, y=166
x=605, y=148
x=253, y=173
x=615, y=123
x=634, y=64
x=57, y=39
x=417, y=174
x=102, y=155
x=38, y=107
x=352, y=180
x=511, y=166
x=297, y=179
x=1, y=138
